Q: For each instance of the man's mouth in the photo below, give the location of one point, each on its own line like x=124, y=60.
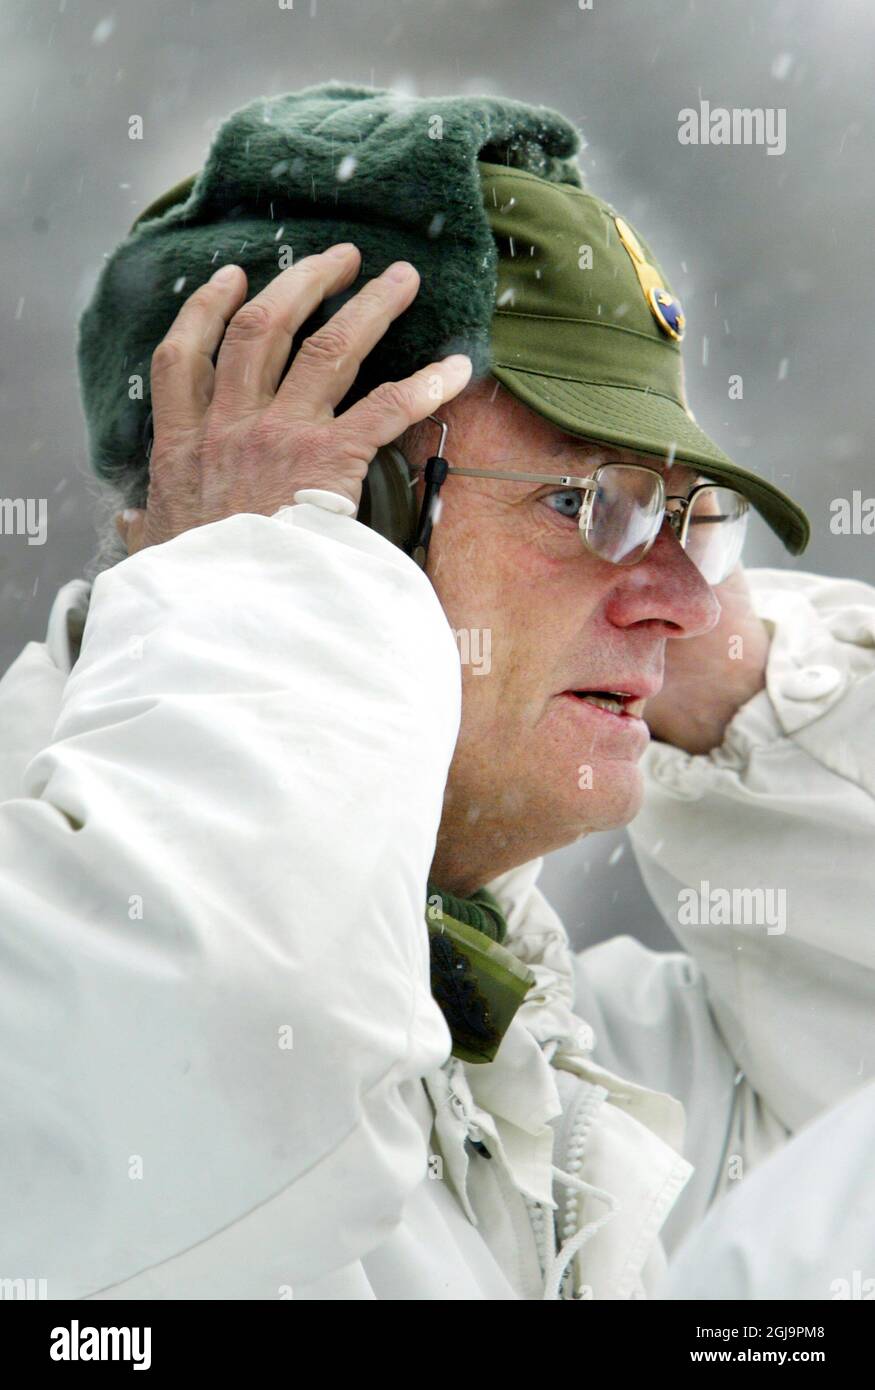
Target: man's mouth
x=622, y=702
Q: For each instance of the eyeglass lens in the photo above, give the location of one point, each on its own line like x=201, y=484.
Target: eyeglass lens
x=717, y=524
x=625, y=514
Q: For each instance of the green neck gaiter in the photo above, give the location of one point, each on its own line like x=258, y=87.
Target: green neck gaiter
x=476, y=981
x=481, y=911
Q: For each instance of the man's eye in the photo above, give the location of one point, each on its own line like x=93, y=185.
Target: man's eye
x=567, y=501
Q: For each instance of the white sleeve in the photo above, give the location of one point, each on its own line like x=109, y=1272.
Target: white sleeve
x=778, y=824
x=800, y=1227
x=216, y=998
x=652, y=1023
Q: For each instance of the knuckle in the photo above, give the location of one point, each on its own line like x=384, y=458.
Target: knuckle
x=328, y=343
x=396, y=395
x=167, y=355
x=252, y=321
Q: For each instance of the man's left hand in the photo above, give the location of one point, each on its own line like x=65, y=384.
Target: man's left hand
x=709, y=678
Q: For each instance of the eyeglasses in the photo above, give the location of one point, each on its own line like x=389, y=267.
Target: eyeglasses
x=622, y=511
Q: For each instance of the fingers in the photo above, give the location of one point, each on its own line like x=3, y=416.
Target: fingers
x=327, y=362
x=182, y=364
x=389, y=409
x=258, y=340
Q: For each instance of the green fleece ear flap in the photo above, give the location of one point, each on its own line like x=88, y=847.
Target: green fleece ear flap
x=388, y=503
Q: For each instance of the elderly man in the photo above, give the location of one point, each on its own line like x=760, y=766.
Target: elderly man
x=285, y=1012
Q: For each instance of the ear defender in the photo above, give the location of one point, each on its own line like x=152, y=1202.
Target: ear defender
x=388, y=501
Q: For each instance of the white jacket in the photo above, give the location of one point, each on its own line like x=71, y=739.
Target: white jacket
x=222, y=1072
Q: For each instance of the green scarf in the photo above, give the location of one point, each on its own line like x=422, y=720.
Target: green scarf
x=476, y=981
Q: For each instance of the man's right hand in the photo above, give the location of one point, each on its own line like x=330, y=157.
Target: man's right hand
x=231, y=439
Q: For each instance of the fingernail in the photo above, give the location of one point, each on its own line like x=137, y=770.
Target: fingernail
x=222, y=276
x=401, y=270
x=343, y=248
x=128, y=515
x=458, y=363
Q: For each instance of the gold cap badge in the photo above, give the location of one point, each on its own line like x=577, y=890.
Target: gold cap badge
x=663, y=305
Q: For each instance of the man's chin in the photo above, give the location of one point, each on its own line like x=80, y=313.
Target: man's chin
x=616, y=792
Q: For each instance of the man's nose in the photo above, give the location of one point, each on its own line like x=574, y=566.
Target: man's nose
x=664, y=587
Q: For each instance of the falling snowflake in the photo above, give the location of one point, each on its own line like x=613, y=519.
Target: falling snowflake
x=103, y=30
x=346, y=168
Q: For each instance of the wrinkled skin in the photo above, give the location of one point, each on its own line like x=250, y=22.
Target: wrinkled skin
x=503, y=560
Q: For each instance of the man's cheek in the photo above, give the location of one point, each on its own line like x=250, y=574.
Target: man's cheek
x=478, y=650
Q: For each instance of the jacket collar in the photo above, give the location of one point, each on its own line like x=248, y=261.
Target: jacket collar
x=513, y=1101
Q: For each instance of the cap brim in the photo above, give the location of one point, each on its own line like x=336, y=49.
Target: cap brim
x=653, y=424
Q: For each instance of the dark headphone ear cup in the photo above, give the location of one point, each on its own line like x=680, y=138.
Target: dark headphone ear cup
x=388, y=501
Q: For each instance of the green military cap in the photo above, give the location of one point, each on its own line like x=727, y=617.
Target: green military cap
x=177, y=194
x=537, y=279
x=587, y=332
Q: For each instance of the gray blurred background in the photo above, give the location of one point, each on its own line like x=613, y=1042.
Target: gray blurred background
x=769, y=254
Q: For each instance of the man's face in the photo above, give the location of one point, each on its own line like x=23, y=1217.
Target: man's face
x=538, y=616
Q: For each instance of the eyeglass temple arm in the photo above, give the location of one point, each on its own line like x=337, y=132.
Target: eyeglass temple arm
x=436, y=471
x=567, y=479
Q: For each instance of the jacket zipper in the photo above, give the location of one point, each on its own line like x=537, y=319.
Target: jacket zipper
x=572, y=1134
